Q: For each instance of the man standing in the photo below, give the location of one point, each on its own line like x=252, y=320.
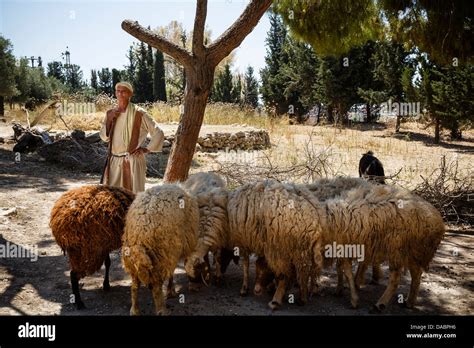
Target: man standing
x=125, y=128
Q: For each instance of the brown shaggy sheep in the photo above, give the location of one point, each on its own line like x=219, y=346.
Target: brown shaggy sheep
x=88, y=223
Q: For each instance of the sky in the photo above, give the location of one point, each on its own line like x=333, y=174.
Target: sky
x=92, y=32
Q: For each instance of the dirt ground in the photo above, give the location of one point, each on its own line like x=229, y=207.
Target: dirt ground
x=42, y=287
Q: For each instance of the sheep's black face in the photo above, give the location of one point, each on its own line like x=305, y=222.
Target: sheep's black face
x=201, y=273
x=227, y=255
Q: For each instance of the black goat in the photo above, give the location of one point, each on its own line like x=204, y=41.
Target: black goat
x=371, y=168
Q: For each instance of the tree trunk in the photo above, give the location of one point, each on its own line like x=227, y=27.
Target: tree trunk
x=455, y=132
x=437, y=131
x=2, y=109
x=369, y=114
x=330, y=114
x=198, y=84
x=397, y=125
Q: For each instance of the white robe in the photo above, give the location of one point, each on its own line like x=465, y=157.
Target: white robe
x=137, y=162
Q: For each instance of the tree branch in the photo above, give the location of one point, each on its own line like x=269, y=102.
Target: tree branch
x=157, y=41
x=236, y=33
x=199, y=23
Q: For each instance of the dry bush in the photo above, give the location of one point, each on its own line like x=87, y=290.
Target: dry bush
x=308, y=166
x=450, y=191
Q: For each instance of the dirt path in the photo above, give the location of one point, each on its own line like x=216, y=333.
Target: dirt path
x=41, y=287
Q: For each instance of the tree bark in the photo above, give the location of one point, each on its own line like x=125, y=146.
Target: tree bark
x=198, y=85
x=437, y=131
x=330, y=114
x=199, y=67
x=398, y=123
x=2, y=109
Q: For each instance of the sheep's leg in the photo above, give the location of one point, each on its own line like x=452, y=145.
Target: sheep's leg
x=277, y=300
x=360, y=274
x=347, y=267
x=218, y=261
x=160, y=307
x=170, y=292
x=134, y=310
x=340, y=278
x=303, y=279
x=75, y=290
x=245, y=284
x=392, y=286
x=377, y=273
x=106, y=285
x=415, y=273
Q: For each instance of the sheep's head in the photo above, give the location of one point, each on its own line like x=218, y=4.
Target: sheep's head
x=228, y=255
x=198, y=271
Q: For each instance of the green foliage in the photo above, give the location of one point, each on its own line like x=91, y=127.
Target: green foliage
x=143, y=82
x=332, y=27
x=94, y=84
x=298, y=74
x=441, y=28
x=116, y=78
x=250, y=88
x=132, y=65
x=33, y=85
x=74, y=77
x=226, y=89
x=273, y=83
x=56, y=70
x=452, y=97
x=159, y=81
x=105, y=81
x=7, y=70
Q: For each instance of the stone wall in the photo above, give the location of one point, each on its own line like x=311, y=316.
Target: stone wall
x=221, y=141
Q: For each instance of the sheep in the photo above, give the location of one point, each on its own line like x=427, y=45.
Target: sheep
x=330, y=188
x=369, y=215
x=371, y=168
x=249, y=210
x=222, y=225
x=161, y=228
x=212, y=215
x=392, y=224
x=87, y=223
x=201, y=183
x=322, y=189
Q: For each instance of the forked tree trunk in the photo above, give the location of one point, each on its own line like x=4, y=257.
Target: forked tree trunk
x=198, y=85
x=199, y=68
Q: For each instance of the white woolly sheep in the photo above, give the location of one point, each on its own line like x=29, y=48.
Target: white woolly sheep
x=325, y=189
x=161, y=228
x=391, y=223
x=212, y=215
